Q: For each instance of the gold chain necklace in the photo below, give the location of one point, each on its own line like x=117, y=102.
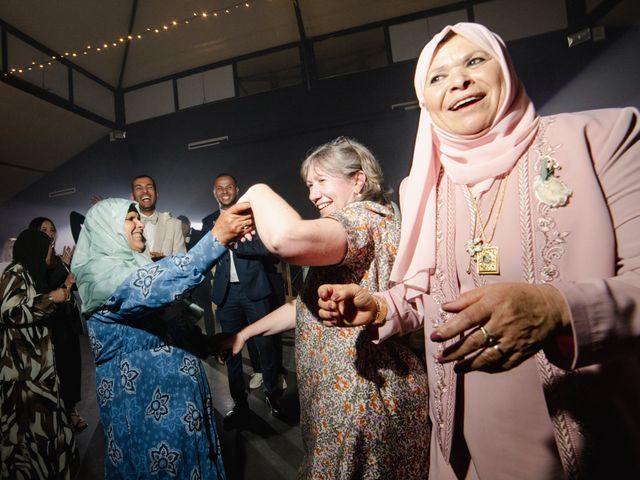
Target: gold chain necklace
x=480, y=249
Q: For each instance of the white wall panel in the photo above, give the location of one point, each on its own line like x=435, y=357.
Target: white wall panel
x=190, y=91
x=206, y=87
x=218, y=83
x=93, y=97
x=52, y=78
x=408, y=39
x=514, y=19
x=149, y=102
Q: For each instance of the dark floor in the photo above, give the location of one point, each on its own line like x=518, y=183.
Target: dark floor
x=269, y=449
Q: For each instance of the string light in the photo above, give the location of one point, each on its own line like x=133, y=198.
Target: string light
x=123, y=40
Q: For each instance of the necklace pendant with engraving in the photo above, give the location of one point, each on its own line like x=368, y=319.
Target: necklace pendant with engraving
x=488, y=260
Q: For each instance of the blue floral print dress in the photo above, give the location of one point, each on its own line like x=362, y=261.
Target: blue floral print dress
x=154, y=399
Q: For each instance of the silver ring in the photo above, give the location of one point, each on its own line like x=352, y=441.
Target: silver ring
x=499, y=350
x=490, y=339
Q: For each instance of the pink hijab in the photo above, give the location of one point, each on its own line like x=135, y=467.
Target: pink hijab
x=468, y=160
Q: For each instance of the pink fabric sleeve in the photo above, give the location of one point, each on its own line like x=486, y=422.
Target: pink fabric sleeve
x=606, y=312
x=402, y=317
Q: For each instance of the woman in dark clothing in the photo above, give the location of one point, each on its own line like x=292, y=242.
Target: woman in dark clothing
x=66, y=327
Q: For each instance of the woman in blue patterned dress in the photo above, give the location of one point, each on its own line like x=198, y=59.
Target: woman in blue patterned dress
x=362, y=405
x=154, y=399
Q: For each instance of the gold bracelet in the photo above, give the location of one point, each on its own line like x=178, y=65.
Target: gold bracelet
x=379, y=319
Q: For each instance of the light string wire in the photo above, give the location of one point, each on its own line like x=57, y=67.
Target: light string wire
x=123, y=39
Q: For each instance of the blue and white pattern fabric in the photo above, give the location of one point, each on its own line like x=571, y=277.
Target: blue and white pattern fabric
x=154, y=398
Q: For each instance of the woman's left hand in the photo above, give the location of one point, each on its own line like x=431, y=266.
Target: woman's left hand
x=501, y=325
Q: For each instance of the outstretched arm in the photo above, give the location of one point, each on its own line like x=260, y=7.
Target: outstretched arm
x=287, y=235
x=157, y=285
x=278, y=321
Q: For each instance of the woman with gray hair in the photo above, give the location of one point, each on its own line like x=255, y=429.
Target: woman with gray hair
x=363, y=406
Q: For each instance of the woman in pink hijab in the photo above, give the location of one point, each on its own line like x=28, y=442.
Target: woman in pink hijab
x=520, y=257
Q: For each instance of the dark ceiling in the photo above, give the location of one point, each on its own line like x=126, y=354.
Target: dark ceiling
x=39, y=132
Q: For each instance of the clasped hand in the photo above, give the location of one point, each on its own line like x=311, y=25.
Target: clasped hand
x=222, y=345
x=499, y=326
x=345, y=305
x=233, y=223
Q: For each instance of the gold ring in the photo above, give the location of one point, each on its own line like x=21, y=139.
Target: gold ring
x=489, y=338
x=499, y=350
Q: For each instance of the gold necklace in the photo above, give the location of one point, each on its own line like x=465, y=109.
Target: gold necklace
x=480, y=249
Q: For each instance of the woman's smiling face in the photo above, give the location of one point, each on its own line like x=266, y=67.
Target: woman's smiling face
x=465, y=87
x=133, y=229
x=330, y=193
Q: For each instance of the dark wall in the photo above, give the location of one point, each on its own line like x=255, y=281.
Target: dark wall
x=270, y=133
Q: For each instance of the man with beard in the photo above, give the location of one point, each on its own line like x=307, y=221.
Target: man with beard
x=245, y=288
x=163, y=234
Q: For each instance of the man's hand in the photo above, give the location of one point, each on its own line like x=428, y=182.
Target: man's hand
x=155, y=256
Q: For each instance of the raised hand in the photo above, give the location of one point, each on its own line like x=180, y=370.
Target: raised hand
x=233, y=222
x=93, y=199
x=67, y=255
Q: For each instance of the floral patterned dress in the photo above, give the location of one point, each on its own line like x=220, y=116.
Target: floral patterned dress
x=154, y=398
x=363, y=405
x=35, y=432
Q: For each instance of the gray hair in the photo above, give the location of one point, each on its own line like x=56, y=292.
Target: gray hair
x=345, y=157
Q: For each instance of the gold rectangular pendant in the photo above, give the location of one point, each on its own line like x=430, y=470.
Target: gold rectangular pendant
x=488, y=260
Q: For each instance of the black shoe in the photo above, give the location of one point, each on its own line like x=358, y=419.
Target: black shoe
x=238, y=417
x=274, y=406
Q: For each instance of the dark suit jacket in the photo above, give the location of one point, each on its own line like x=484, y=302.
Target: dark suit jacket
x=255, y=266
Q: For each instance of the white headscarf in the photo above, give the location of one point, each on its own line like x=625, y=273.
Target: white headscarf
x=103, y=257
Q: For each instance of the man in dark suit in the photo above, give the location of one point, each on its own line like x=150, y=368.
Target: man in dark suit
x=243, y=291
x=201, y=295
